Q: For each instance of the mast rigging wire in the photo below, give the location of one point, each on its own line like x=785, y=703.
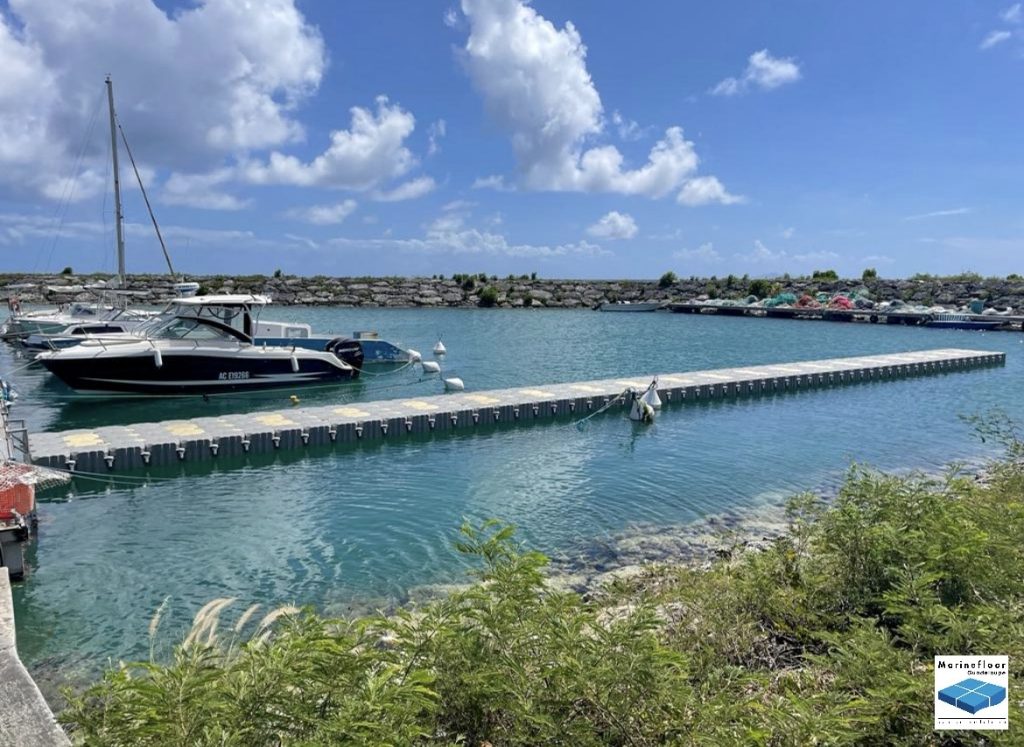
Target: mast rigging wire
x=145, y=197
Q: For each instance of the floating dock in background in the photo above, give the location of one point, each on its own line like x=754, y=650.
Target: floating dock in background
x=143, y=445
x=1013, y=322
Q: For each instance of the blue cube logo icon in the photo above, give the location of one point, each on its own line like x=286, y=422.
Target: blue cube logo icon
x=972, y=692
x=972, y=695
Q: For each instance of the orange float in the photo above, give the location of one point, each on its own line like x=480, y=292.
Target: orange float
x=17, y=493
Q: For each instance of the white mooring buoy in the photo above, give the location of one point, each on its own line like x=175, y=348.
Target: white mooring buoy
x=651, y=396
x=414, y=356
x=430, y=366
x=454, y=384
x=639, y=410
x=439, y=348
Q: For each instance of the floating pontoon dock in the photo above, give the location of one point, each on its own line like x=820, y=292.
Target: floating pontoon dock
x=1014, y=322
x=138, y=446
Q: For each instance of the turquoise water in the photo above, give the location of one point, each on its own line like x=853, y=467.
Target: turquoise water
x=362, y=526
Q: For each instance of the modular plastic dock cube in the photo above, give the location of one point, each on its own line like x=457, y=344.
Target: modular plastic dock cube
x=972, y=695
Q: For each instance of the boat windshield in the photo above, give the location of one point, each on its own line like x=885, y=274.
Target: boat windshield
x=184, y=328
x=153, y=323
x=236, y=318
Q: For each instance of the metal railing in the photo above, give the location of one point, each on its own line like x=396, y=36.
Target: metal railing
x=17, y=434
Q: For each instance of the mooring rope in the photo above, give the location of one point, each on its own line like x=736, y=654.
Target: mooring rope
x=6, y=375
x=580, y=423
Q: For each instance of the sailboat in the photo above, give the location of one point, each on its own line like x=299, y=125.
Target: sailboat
x=111, y=314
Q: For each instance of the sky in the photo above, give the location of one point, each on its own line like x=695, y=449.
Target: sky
x=593, y=139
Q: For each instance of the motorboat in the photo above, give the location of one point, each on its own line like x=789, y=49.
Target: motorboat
x=375, y=350
x=962, y=321
x=628, y=306
x=185, y=288
x=264, y=332
x=96, y=317
x=79, y=331
x=205, y=347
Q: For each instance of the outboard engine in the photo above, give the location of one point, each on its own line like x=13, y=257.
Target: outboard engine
x=348, y=351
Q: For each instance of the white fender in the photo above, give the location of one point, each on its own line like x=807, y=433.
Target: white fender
x=295, y=363
x=158, y=359
x=640, y=411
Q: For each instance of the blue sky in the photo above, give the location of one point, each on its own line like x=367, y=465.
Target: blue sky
x=596, y=139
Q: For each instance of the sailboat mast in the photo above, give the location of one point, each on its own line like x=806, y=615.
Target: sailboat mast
x=118, y=215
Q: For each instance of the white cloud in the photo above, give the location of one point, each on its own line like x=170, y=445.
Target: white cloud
x=614, y=225
x=494, y=181
x=451, y=18
x=977, y=247
x=304, y=240
x=628, y=129
x=367, y=154
x=458, y=205
x=324, y=215
x=704, y=190
x=1013, y=14
x=812, y=257
x=787, y=233
x=27, y=229
x=446, y=224
x=435, y=133
x=451, y=236
x=23, y=229
x=409, y=190
x=535, y=84
x=763, y=71
x=199, y=236
x=877, y=259
x=449, y=233
x=703, y=253
x=199, y=191
x=213, y=78
x=939, y=213
x=782, y=259
x=762, y=253
x=994, y=38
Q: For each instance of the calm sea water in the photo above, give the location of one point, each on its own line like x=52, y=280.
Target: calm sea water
x=348, y=527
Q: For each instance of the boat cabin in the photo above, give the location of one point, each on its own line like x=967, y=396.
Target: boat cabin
x=210, y=317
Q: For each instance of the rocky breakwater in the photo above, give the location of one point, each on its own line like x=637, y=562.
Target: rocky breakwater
x=350, y=292
x=999, y=293
x=518, y=292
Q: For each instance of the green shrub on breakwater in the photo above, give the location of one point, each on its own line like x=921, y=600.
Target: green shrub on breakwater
x=826, y=636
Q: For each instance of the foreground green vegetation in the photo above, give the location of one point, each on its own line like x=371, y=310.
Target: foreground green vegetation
x=827, y=636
